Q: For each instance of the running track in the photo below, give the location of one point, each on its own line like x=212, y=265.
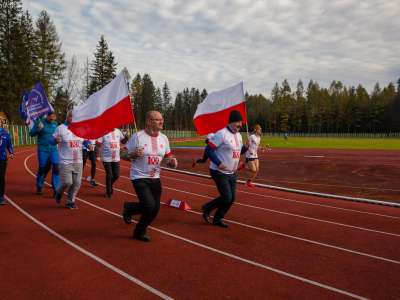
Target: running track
x=278, y=246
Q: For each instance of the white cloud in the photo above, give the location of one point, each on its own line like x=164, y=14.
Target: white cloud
x=213, y=44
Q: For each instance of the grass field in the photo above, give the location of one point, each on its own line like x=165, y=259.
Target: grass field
x=321, y=142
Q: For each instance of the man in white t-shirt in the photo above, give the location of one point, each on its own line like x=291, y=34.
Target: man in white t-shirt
x=252, y=154
x=70, y=155
x=224, y=150
x=146, y=149
x=110, y=155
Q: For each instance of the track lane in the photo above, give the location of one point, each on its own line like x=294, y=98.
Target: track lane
x=227, y=272
x=170, y=222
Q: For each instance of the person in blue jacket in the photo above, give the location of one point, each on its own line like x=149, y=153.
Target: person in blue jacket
x=5, y=145
x=47, y=153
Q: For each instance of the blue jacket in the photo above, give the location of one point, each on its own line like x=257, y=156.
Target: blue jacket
x=45, y=136
x=5, y=144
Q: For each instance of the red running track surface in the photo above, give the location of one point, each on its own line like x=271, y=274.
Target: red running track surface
x=278, y=246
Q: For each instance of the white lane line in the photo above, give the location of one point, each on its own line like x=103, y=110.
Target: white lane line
x=287, y=199
x=284, y=234
x=282, y=198
x=285, y=213
x=235, y=257
x=90, y=254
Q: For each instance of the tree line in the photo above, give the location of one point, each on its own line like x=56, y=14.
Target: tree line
x=31, y=50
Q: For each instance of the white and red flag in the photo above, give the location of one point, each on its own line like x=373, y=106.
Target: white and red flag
x=103, y=111
x=213, y=113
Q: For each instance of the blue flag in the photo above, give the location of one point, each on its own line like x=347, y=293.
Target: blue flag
x=37, y=104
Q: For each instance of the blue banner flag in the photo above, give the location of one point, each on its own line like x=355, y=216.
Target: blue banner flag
x=37, y=104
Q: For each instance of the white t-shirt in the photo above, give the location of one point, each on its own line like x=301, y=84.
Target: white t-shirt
x=111, y=145
x=227, y=148
x=155, y=149
x=254, y=142
x=70, y=147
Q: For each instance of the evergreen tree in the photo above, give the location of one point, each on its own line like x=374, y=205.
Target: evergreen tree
x=136, y=90
x=50, y=58
x=10, y=12
x=166, y=98
x=158, y=100
x=203, y=94
x=103, y=66
x=147, y=98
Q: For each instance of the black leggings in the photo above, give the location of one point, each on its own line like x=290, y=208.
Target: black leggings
x=3, y=167
x=112, y=174
x=92, y=157
x=149, y=194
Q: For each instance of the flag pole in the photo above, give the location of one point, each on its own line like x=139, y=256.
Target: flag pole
x=247, y=124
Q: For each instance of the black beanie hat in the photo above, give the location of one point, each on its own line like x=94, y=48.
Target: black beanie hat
x=235, y=116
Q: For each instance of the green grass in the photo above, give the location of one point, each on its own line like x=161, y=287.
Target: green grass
x=321, y=142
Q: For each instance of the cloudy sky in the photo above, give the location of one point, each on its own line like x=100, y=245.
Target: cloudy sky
x=214, y=44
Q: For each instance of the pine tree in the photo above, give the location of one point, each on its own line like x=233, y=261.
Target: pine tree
x=50, y=58
x=136, y=90
x=166, y=98
x=147, y=97
x=103, y=66
x=158, y=100
x=10, y=12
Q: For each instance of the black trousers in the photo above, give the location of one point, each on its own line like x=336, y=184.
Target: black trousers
x=226, y=185
x=92, y=157
x=3, y=167
x=112, y=174
x=149, y=194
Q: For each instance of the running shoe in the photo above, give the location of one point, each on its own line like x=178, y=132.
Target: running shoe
x=71, y=205
x=57, y=197
x=249, y=184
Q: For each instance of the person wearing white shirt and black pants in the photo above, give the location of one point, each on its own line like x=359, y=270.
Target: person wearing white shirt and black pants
x=252, y=155
x=70, y=155
x=224, y=150
x=147, y=149
x=110, y=155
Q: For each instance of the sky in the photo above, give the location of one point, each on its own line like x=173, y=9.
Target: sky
x=215, y=44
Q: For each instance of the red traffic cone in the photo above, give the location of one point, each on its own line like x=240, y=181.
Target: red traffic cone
x=182, y=205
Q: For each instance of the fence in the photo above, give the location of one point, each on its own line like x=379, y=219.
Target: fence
x=20, y=135
x=338, y=134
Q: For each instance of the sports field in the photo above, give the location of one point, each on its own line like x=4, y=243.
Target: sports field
x=319, y=143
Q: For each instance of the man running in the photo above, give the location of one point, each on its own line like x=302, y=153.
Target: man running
x=224, y=150
x=147, y=149
x=110, y=155
x=5, y=145
x=70, y=151
x=47, y=152
x=252, y=154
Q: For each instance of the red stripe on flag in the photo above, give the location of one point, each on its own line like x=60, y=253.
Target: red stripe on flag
x=116, y=116
x=213, y=122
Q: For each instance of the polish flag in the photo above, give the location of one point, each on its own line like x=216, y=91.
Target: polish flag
x=103, y=111
x=213, y=113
